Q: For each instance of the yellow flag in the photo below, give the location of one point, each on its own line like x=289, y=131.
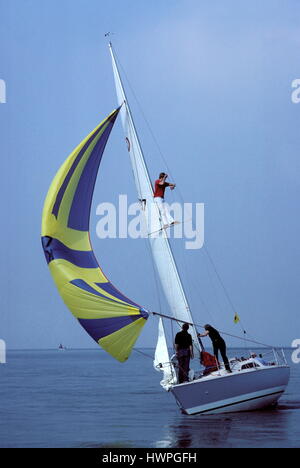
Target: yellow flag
x=236, y=318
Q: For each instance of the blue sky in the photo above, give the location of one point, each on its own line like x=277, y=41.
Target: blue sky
x=214, y=80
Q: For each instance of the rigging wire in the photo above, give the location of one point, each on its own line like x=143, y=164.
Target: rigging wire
x=169, y=247
x=173, y=339
x=218, y=277
x=144, y=116
x=144, y=354
x=182, y=200
x=155, y=275
x=194, y=281
x=209, y=274
x=202, y=326
x=132, y=136
x=223, y=286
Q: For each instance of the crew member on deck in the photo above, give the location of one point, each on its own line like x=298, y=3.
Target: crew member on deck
x=218, y=344
x=184, y=352
x=159, y=194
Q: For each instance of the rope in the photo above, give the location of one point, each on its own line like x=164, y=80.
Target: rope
x=193, y=280
x=144, y=354
x=224, y=333
x=155, y=275
x=180, y=195
x=173, y=340
x=223, y=286
x=182, y=201
x=144, y=116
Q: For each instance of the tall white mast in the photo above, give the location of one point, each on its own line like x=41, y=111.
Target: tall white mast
x=160, y=247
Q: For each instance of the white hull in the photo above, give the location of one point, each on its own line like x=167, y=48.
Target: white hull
x=243, y=391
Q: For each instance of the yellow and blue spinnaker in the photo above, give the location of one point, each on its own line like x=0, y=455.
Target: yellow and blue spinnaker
x=111, y=319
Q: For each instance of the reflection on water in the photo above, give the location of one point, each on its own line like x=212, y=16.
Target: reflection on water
x=113, y=444
x=196, y=431
x=289, y=405
x=253, y=429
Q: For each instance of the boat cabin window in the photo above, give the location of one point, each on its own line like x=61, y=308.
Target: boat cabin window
x=249, y=365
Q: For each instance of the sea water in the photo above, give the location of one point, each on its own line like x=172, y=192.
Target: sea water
x=84, y=398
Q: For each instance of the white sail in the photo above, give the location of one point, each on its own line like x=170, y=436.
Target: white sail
x=162, y=359
x=161, y=250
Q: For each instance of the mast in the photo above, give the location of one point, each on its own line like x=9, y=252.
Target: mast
x=160, y=246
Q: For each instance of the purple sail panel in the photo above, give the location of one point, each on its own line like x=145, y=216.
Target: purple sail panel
x=86, y=287
x=54, y=250
x=77, y=160
x=79, y=215
x=99, y=328
x=111, y=289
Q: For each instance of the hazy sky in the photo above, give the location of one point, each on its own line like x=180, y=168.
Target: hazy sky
x=214, y=80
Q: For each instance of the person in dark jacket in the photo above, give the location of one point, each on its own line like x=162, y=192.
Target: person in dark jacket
x=184, y=352
x=218, y=344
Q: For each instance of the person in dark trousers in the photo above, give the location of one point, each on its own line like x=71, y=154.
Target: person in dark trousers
x=218, y=344
x=184, y=352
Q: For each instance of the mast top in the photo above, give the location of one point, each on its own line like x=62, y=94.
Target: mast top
x=108, y=34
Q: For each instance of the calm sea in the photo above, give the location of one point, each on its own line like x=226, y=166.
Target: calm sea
x=83, y=398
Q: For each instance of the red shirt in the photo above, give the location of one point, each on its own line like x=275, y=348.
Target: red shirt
x=160, y=189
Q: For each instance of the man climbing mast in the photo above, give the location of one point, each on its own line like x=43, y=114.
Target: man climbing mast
x=159, y=194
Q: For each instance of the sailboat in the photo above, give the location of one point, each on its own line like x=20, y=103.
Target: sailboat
x=112, y=319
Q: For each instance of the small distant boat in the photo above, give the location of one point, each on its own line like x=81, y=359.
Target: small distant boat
x=113, y=320
x=62, y=347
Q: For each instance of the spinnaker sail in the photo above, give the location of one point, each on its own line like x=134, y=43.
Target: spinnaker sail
x=110, y=318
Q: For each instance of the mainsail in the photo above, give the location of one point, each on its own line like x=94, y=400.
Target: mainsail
x=161, y=250
x=110, y=318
